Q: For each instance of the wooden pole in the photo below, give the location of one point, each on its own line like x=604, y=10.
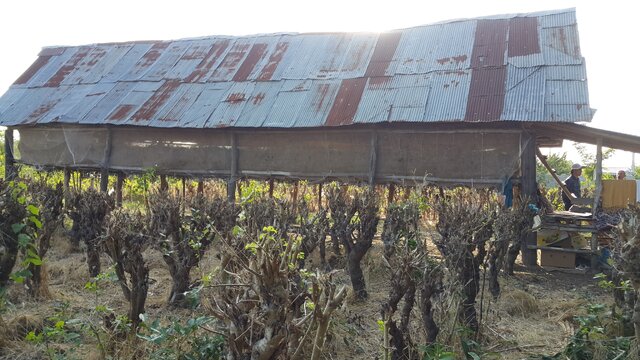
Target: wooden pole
x=319, y=196
x=9, y=161
x=164, y=185
x=119, y=183
x=373, y=158
x=596, y=201
x=66, y=180
x=106, y=163
x=392, y=192
x=528, y=182
x=295, y=197
x=270, y=188
x=231, y=184
x=200, y=187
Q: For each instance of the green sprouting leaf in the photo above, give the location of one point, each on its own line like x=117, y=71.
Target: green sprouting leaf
x=21, y=200
x=33, y=209
x=237, y=230
x=23, y=240
x=59, y=325
x=474, y=356
x=35, y=221
x=17, y=227
x=381, y=325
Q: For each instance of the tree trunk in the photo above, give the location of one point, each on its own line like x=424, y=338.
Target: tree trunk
x=468, y=315
x=8, y=261
x=430, y=327
x=357, y=277
x=139, y=290
x=180, y=286
x=93, y=259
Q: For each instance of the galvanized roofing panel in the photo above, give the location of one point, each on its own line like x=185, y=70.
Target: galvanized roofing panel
x=525, y=67
x=448, y=96
x=561, y=18
x=525, y=94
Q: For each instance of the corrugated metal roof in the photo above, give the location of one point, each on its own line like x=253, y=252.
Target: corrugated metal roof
x=523, y=67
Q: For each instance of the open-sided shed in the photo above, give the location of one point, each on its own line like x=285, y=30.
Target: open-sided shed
x=456, y=102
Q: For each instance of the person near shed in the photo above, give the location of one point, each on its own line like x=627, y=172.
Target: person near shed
x=622, y=175
x=573, y=185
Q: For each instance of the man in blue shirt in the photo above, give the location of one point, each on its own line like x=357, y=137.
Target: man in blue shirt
x=573, y=184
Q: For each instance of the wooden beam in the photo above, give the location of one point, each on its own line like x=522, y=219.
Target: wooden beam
x=528, y=183
x=543, y=160
x=319, y=196
x=270, y=188
x=200, y=190
x=231, y=184
x=9, y=161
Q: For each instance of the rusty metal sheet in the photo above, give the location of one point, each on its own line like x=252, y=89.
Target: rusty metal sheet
x=232, y=60
x=486, y=94
x=448, y=96
x=146, y=61
x=523, y=36
x=561, y=45
x=230, y=107
x=131, y=65
x=50, y=68
x=197, y=115
x=94, y=94
x=557, y=18
x=167, y=60
x=259, y=104
x=484, y=69
x=490, y=43
x=525, y=94
x=346, y=102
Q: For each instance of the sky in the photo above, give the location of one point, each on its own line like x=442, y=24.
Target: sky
x=607, y=33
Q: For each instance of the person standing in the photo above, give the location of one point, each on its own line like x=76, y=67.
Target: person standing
x=573, y=185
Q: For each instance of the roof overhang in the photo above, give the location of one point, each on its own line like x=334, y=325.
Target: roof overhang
x=547, y=132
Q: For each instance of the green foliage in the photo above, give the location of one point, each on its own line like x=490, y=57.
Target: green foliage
x=58, y=329
x=437, y=351
x=592, y=337
x=182, y=341
x=26, y=233
x=558, y=162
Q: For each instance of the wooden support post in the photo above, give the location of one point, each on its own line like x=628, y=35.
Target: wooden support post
x=184, y=189
x=231, y=184
x=528, y=183
x=392, y=192
x=373, y=158
x=200, y=187
x=294, y=197
x=119, y=183
x=106, y=163
x=596, y=202
x=66, y=180
x=270, y=188
x=164, y=185
x=407, y=192
x=319, y=196
x=9, y=161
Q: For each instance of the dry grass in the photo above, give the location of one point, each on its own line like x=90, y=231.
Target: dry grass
x=533, y=316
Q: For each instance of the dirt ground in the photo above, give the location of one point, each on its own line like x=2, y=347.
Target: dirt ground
x=533, y=316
